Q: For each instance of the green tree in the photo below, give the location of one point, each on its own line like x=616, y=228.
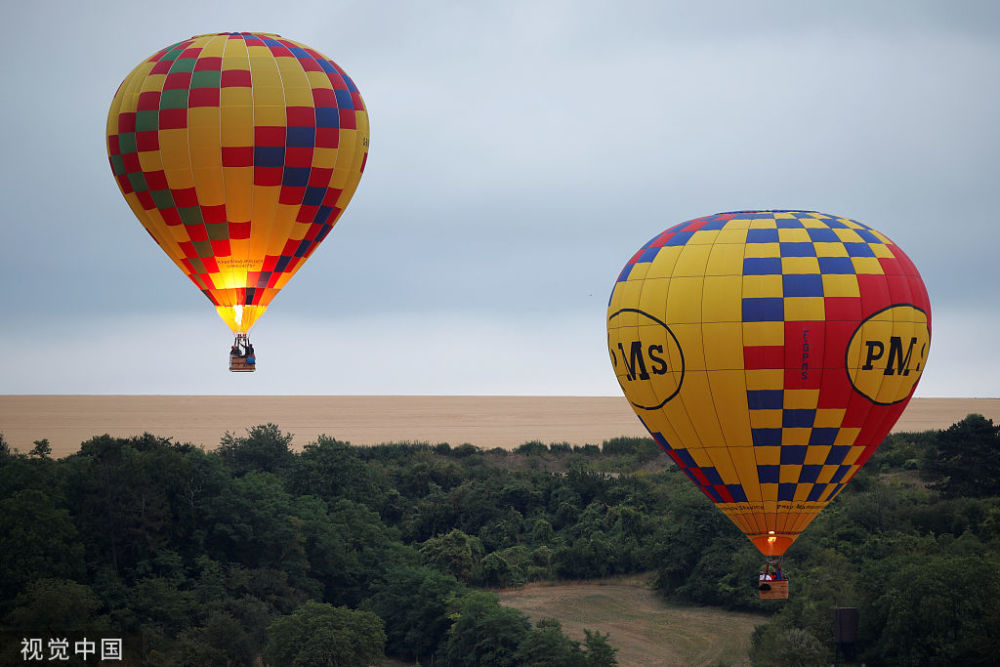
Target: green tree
x=37, y=540
x=414, y=603
x=455, y=553
x=264, y=449
x=321, y=635
x=792, y=647
x=546, y=646
x=966, y=461
x=57, y=607
x=484, y=633
x=599, y=652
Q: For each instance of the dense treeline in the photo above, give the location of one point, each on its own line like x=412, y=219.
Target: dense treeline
x=341, y=554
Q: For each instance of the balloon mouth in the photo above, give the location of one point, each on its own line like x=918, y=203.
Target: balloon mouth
x=772, y=543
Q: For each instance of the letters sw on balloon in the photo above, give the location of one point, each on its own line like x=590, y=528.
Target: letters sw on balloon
x=238, y=152
x=769, y=353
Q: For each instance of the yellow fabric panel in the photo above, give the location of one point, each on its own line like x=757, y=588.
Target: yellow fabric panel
x=734, y=233
x=867, y=265
x=745, y=464
x=841, y=285
x=662, y=265
x=764, y=378
x=691, y=341
x=722, y=300
x=847, y=436
x=653, y=297
x=697, y=397
x=684, y=300
x=729, y=394
x=829, y=418
x=692, y=261
x=830, y=249
x=805, y=308
x=816, y=454
x=723, y=347
x=765, y=419
x=726, y=259
x=801, y=398
x=767, y=456
x=848, y=236
x=703, y=237
x=799, y=265
x=762, y=250
x=763, y=334
x=795, y=436
x=762, y=286
x=793, y=235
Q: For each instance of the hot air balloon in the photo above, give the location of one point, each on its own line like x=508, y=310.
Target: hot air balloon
x=238, y=152
x=769, y=353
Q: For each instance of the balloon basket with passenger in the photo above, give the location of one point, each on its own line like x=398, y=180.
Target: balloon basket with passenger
x=772, y=583
x=242, y=358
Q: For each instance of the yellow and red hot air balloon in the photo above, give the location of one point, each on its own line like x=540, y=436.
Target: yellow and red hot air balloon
x=238, y=152
x=769, y=353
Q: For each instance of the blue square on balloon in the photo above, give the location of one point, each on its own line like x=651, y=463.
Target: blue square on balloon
x=685, y=458
x=802, y=284
x=314, y=196
x=737, y=492
x=824, y=436
x=765, y=399
x=761, y=266
x=712, y=475
x=837, y=454
x=868, y=236
x=762, y=236
x=789, y=223
x=295, y=177
x=648, y=255
x=809, y=474
x=856, y=249
x=327, y=117
x=786, y=491
x=765, y=309
x=797, y=249
x=836, y=265
x=839, y=474
x=798, y=418
x=768, y=474
x=823, y=235
x=301, y=137
x=344, y=100
x=679, y=238
x=269, y=156
x=793, y=454
x=816, y=492
x=766, y=437
x=713, y=225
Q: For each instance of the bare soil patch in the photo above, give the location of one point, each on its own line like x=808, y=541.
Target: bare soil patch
x=645, y=629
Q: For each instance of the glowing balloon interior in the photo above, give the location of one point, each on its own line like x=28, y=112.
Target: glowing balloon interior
x=238, y=152
x=769, y=353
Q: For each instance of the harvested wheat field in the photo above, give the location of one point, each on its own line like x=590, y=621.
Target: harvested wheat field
x=645, y=629
x=484, y=421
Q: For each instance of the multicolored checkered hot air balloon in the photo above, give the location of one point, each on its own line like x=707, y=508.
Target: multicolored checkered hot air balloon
x=769, y=353
x=238, y=152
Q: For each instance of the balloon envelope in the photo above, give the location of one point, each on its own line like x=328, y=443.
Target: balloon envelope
x=238, y=152
x=769, y=353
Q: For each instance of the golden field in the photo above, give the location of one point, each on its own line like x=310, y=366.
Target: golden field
x=484, y=421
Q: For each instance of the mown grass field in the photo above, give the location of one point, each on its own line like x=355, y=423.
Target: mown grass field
x=645, y=629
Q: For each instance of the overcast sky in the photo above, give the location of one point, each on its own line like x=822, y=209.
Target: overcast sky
x=521, y=152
